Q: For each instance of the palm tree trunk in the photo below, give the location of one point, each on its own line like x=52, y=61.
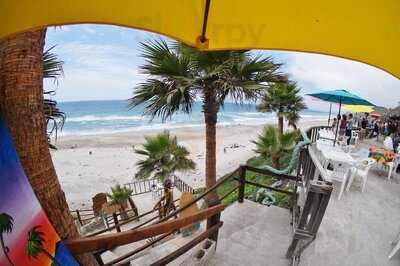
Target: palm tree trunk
x=275, y=162
x=210, y=108
x=21, y=105
x=280, y=123
x=5, y=250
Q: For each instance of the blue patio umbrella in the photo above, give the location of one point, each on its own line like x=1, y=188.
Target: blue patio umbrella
x=341, y=97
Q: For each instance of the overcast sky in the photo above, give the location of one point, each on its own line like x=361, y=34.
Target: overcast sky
x=101, y=63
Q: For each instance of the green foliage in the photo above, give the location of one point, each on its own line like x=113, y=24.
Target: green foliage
x=6, y=223
x=35, y=242
x=119, y=194
x=52, y=69
x=285, y=100
x=283, y=200
x=164, y=157
x=52, y=66
x=179, y=73
x=272, y=144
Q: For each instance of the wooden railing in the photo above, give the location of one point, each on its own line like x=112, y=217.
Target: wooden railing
x=113, y=240
x=314, y=192
x=181, y=185
x=213, y=224
x=84, y=216
x=142, y=186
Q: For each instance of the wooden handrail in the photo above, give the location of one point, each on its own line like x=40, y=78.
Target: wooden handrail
x=126, y=221
x=172, y=256
x=201, y=196
x=266, y=172
x=268, y=187
x=134, y=252
x=229, y=192
x=112, y=240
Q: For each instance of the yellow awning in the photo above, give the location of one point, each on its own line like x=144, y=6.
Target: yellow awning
x=365, y=31
x=358, y=108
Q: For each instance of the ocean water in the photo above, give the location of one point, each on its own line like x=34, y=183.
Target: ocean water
x=106, y=117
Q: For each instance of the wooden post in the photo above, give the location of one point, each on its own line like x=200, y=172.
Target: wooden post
x=242, y=183
x=115, y=217
x=133, y=207
x=79, y=217
x=97, y=256
x=213, y=220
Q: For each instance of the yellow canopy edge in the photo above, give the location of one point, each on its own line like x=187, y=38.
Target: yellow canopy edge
x=358, y=108
x=365, y=31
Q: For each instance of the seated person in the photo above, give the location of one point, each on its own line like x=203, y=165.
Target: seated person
x=166, y=204
x=388, y=142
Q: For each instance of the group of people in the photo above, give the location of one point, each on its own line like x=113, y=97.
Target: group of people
x=368, y=127
x=345, y=124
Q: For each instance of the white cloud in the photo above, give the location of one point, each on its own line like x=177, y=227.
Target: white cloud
x=327, y=72
x=97, y=71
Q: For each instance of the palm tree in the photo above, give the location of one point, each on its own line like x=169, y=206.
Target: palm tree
x=21, y=104
x=6, y=226
x=164, y=157
x=120, y=195
x=179, y=74
x=284, y=99
x=52, y=69
x=35, y=245
x=272, y=144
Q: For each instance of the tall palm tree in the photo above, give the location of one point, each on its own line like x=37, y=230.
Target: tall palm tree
x=179, y=74
x=34, y=245
x=272, y=144
x=163, y=157
x=21, y=105
x=284, y=99
x=6, y=226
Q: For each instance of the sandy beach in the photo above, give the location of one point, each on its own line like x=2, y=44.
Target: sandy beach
x=90, y=164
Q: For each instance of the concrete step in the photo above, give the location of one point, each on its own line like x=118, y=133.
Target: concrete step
x=253, y=234
x=166, y=248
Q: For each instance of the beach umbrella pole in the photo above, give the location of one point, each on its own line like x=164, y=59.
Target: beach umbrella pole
x=330, y=111
x=337, y=124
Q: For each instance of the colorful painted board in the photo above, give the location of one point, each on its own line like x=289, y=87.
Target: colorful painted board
x=27, y=237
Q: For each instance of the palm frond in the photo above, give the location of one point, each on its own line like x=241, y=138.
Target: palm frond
x=52, y=66
x=6, y=223
x=163, y=157
x=35, y=242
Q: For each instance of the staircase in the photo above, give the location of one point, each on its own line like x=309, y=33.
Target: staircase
x=253, y=234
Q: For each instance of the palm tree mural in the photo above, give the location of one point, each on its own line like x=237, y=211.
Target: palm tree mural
x=35, y=245
x=272, y=144
x=284, y=99
x=163, y=157
x=179, y=75
x=6, y=226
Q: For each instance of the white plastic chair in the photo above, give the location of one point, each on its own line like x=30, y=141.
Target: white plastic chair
x=339, y=173
x=393, y=165
x=354, y=137
x=361, y=169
